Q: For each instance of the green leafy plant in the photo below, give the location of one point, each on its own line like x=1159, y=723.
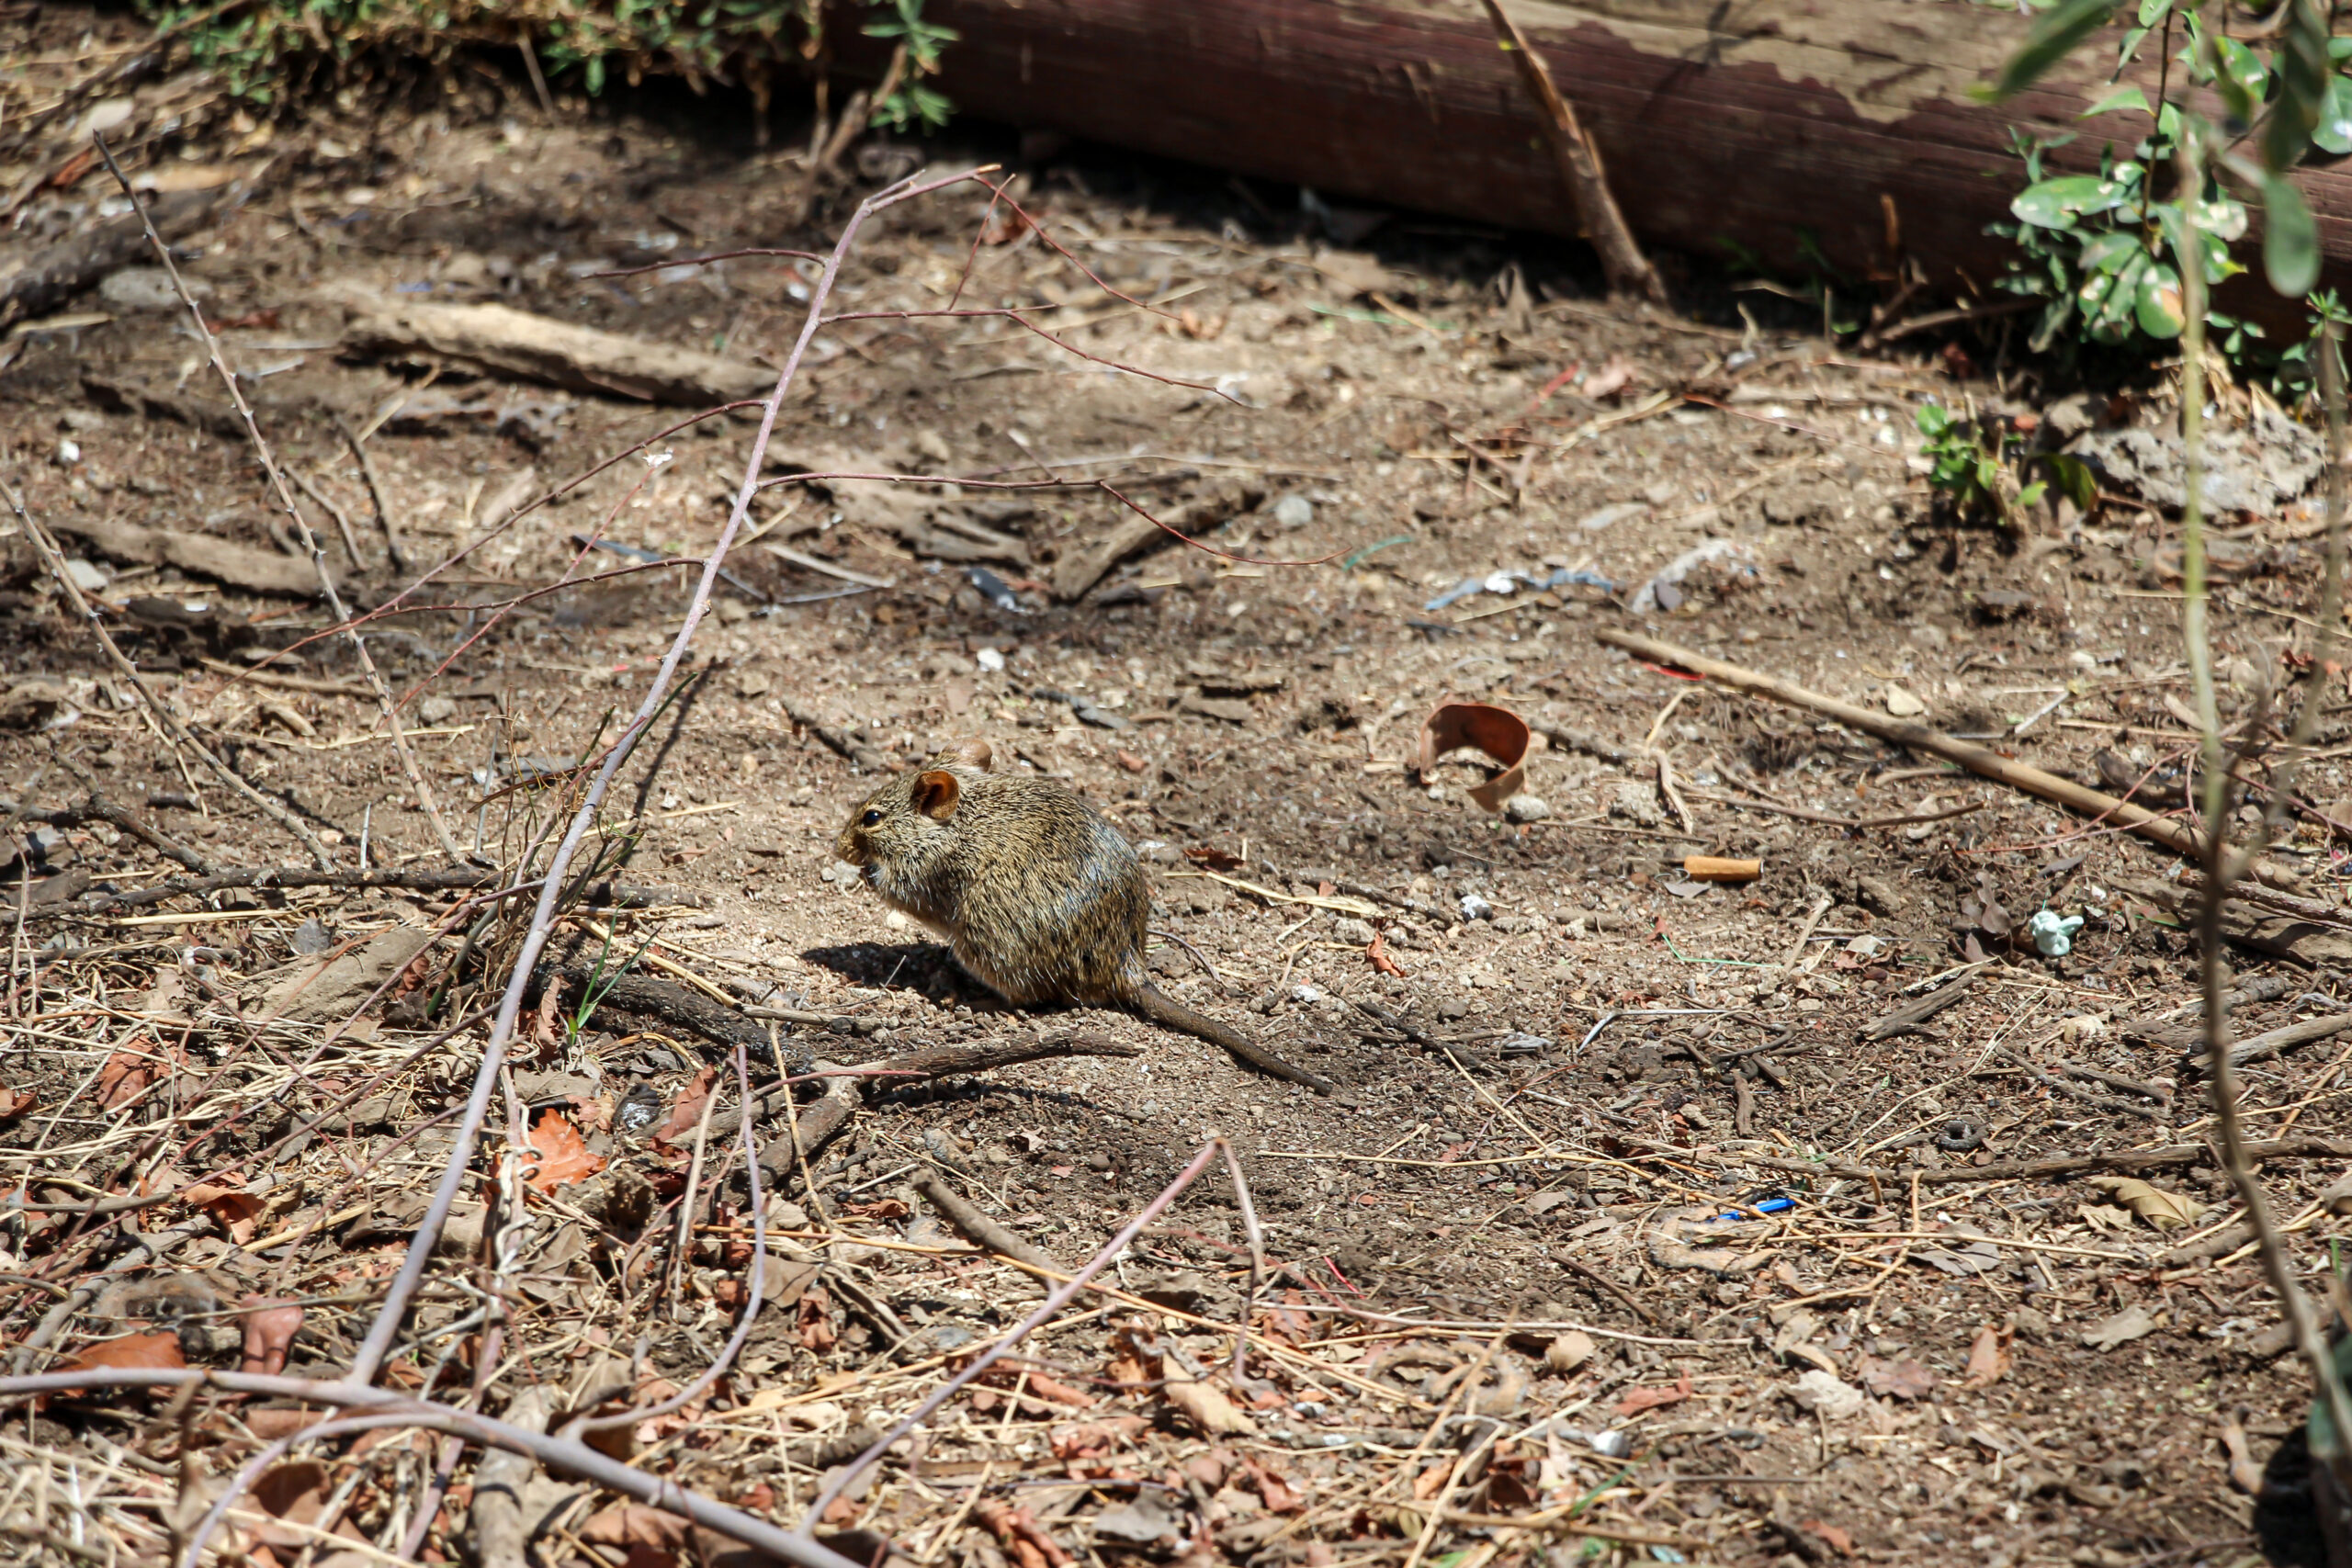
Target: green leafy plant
x=908, y=101
x=263, y=48
x=2105, y=250
x=1977, y=464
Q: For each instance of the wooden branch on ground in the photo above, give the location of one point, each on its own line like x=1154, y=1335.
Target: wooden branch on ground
x=2274, y=1042
x=2171, y=1156
x=1983, y=760
x=967, y=1217
x=1599, y=218
x=607, y=891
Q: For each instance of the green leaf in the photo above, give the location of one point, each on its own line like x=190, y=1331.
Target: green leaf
x=2074, y=479
x=2333, y=131
x=2289, y=238
x=2245, y=81
x=2157, y=304
x=2056, y=35
x=1932, y=419
x=2033, y=492
x=2111, y=250
x=2056, y=203
x=2118, y=101
x=2108, y=297
x=2153, y=11
x=2303, y=73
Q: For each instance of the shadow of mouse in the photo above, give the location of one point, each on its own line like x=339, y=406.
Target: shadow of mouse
x=1040, y=898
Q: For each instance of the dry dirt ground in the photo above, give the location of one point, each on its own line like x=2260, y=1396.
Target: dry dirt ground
x=1505, y=1286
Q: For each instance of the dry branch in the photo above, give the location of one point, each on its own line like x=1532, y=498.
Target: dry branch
x=1599, y=220
x=507, y=341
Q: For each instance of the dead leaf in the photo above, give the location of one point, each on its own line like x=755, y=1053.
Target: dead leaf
x=125, y=1074
x=1498, y=732
x=816, y=1325
x=1019, y=1530
x=16, y=1103
x=633, y=1526
x=236, y=1211
x=1214, y=858
x=1086, y=1439
x=143, y=1351
x=2134, y=1322
x=1989, y=1359
x=1381, y=964
x=296, y=1492
x=563, y=1156
x=1279, y=1495
x=1208, y=1408
x=1641, y=1399
x=270, y=1327
x=1839, y=1540
x=1906, y=1379
x=1568, y=1351
x=2161, y=1208
x=687, y=1115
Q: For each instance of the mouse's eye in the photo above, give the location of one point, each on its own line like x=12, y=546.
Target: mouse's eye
x=870, y=819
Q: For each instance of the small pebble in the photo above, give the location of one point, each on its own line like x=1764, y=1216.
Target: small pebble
x=437, y=710
x=989, y=659
x=1293, y=511
x=1523, y=807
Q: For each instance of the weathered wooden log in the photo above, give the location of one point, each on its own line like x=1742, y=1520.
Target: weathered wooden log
x=1760, y=123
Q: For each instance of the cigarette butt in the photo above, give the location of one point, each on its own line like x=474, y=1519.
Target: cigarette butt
x=1715, y=868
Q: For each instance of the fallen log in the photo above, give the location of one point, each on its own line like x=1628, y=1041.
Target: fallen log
x=1846, y=123
x=506, y=342
x=238, y=566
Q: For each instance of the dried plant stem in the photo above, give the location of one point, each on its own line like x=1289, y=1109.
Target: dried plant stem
x=174, y=731
x=2223, y=866
x=369, y=1359
x=376, y=492
x=309, y=540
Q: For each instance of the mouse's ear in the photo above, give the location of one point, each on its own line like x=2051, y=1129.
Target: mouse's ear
x=936, y=793
x=973, y=753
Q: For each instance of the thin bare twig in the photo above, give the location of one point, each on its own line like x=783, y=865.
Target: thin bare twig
x=2221, y=866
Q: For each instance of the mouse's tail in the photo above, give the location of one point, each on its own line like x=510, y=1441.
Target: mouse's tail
x=1154, y=1005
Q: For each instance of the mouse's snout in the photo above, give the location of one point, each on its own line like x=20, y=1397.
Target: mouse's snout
x=852, y=846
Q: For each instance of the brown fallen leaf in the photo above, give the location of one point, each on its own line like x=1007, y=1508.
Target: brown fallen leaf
x=15, y=1102
x=270, y=1327
x=687, y=1115
x=564, y=1154
x=1989, y=1359
x=296, y=1492
x=1498, y=732
x=1906, y=1379
x=125, y=1074
x=152, y=1352
x=1381, y=964
x=2161, y=1208
x=1839, y=1541
x=647, y=1534
x=1208, y=1407
x=816, y=1326
x=1641, y=1399
x=1022, y=1535
x=236, y=1211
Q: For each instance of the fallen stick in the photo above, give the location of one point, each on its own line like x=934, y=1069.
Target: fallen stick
x=507, y=341
x=604, y=893
x=2172, y=1156
x=1988, y=764
x=2256, y=1047
x=1598, y=216
x=966, y=1217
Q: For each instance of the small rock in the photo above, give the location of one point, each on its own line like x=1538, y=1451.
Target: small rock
x=1475, y=908
x=1525, y=807
x=1143, y=1522
x=145, y=289
x=1453, y=1008
x=1293, y=511
x=754, y=684
x=1830, y=1398
x=1903, y=704
x=69, y=452
x=437, y=710
x=86, y=578
x=311, y=937
x=1568, y=1351
x=1349, y=929
x=1593, y=521
x=989, y=659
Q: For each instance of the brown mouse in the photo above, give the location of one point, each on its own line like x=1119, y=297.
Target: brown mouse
x=1041, y=897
